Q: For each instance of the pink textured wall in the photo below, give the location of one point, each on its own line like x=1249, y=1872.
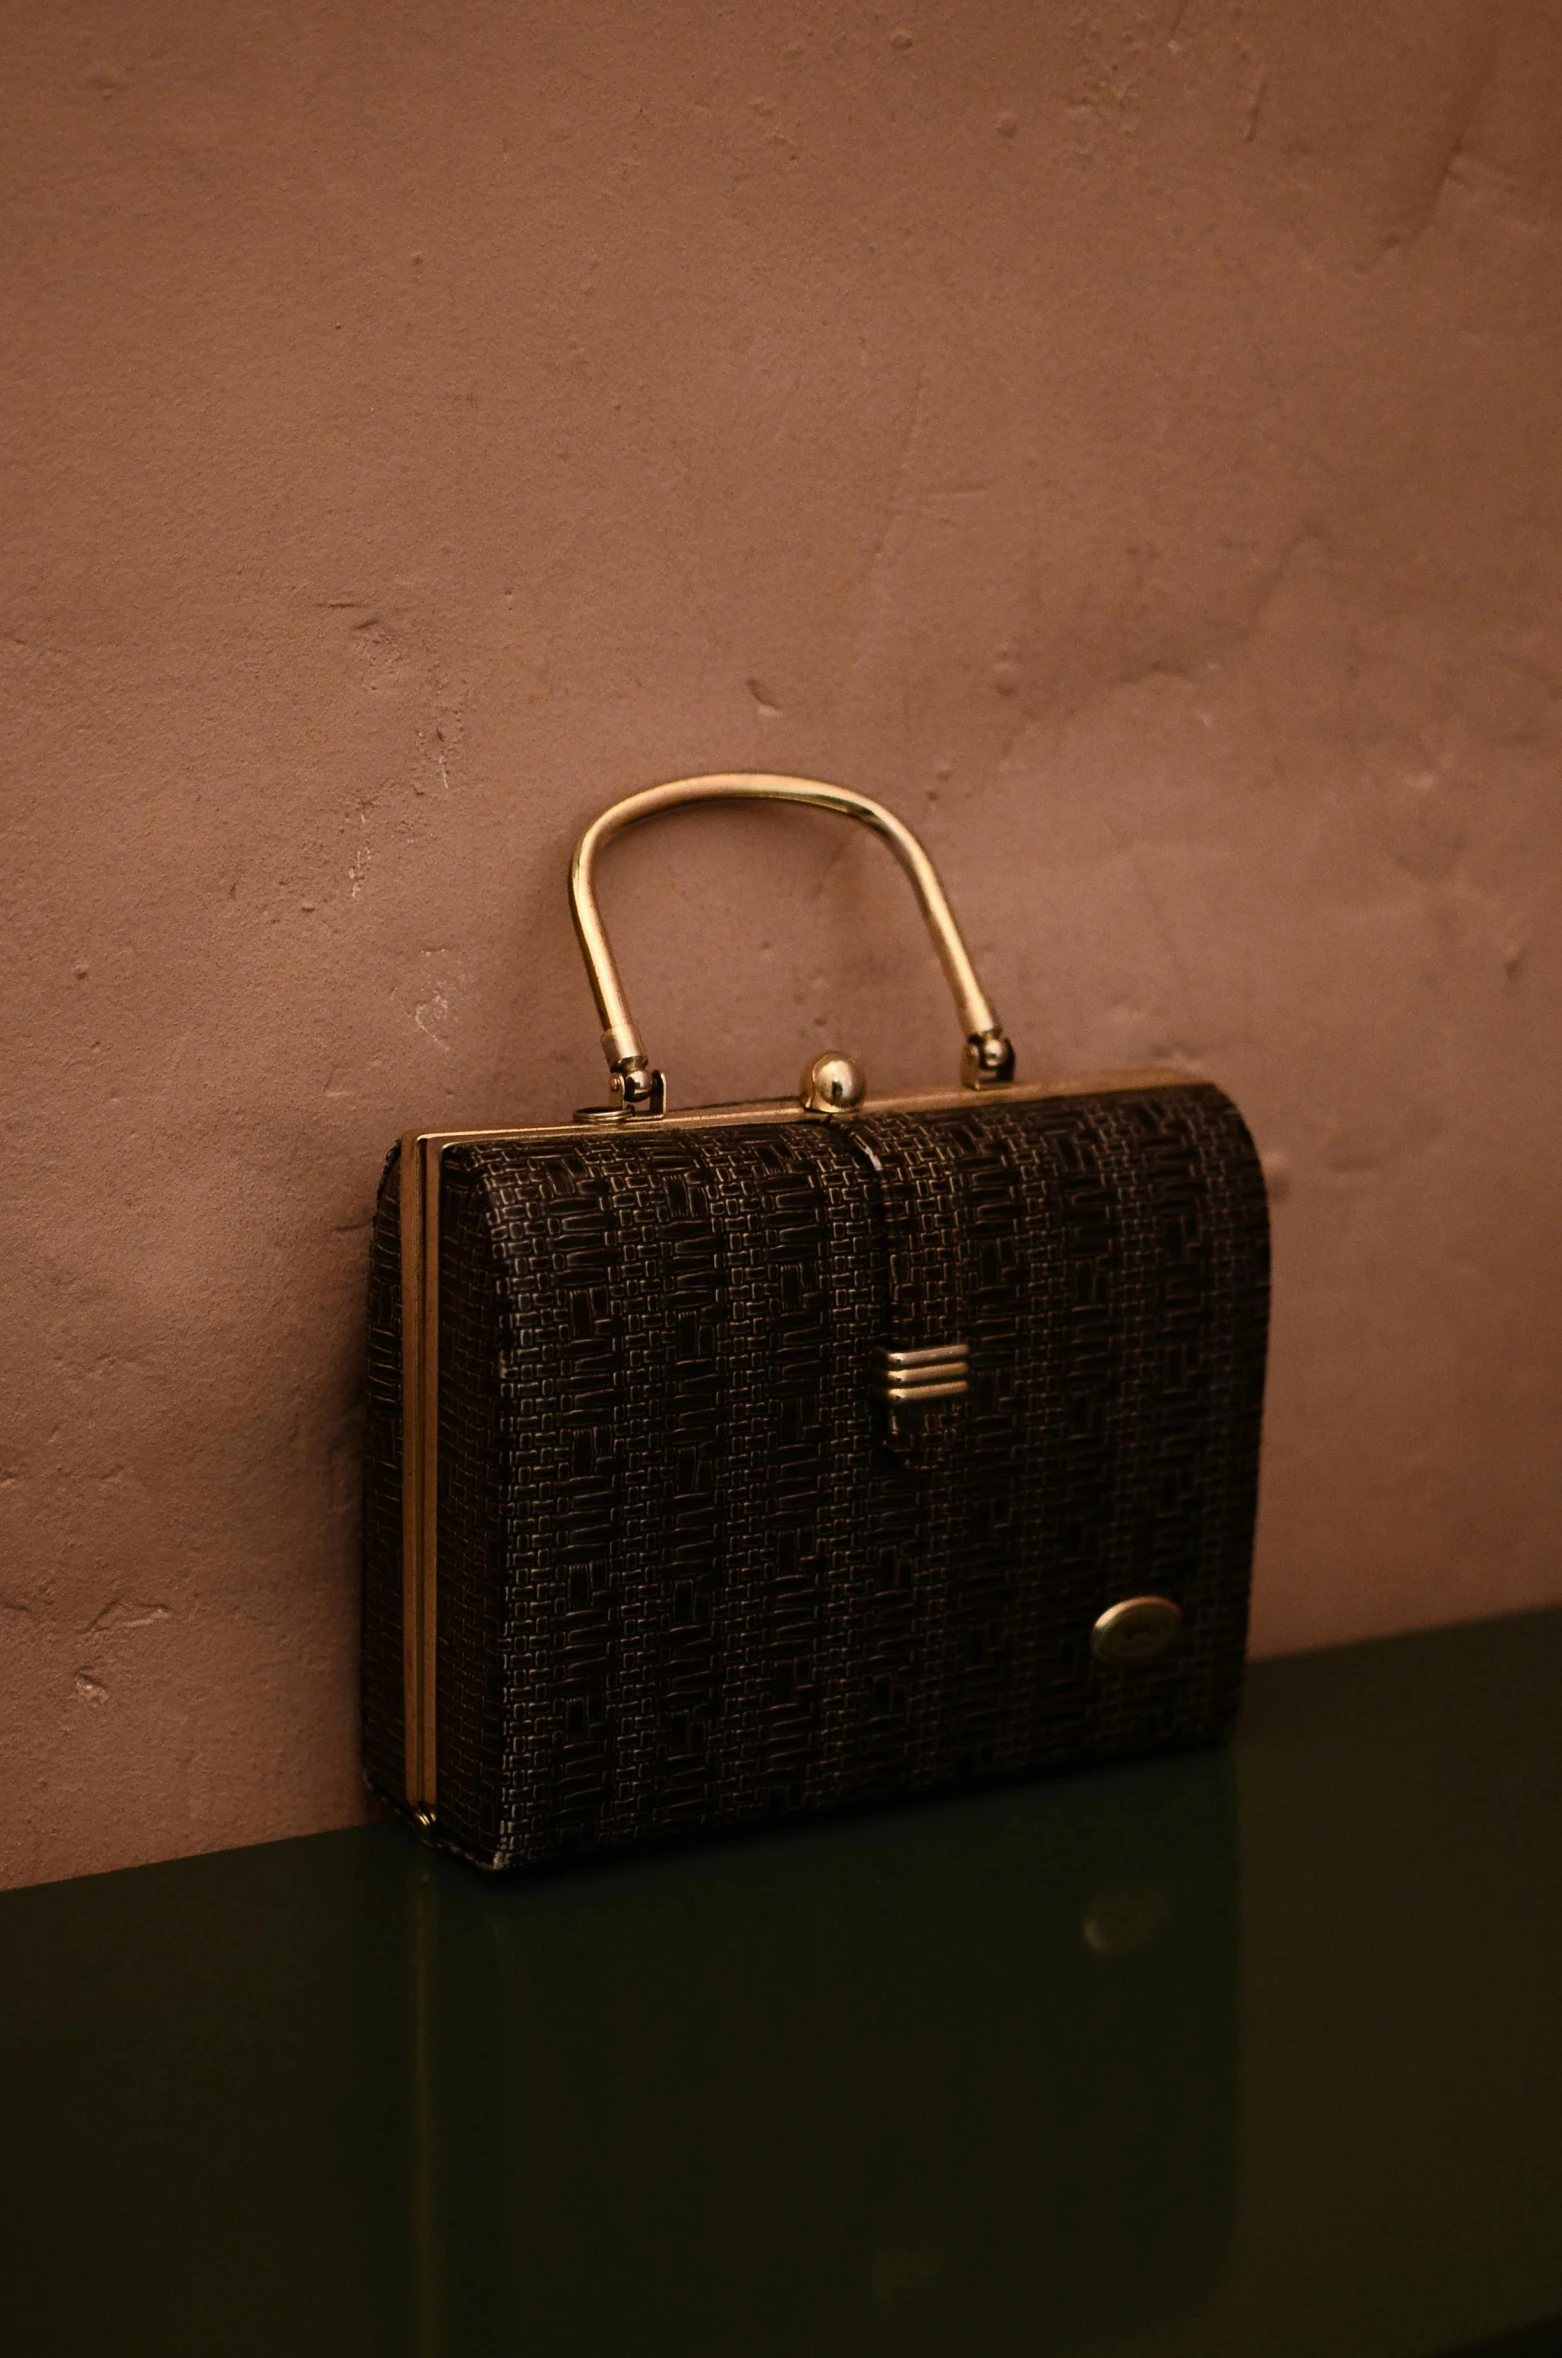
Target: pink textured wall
x=1123, y=437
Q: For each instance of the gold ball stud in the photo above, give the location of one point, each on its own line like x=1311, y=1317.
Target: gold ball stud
x=832, y=1084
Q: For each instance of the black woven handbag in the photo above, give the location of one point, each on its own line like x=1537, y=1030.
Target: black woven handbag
x=729, y=1464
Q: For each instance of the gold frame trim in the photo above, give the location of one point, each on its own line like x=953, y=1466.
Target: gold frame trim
x=421, y=1155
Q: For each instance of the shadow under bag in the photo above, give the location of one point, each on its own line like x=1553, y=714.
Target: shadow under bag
x=737, y=1463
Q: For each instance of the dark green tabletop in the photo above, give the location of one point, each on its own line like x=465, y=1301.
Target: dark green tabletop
x=1257, y=2053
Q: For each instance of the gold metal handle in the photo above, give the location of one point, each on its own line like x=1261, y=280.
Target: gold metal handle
x=637, y=1088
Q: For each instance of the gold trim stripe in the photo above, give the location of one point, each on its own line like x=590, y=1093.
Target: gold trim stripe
x=420, y=1158
x=411, y=1195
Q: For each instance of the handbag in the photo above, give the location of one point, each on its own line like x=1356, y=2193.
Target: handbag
x=756, y=1460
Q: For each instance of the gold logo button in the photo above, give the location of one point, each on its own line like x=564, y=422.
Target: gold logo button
x=1137, y=1630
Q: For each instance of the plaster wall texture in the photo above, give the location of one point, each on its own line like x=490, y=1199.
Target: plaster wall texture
x=1123, y=437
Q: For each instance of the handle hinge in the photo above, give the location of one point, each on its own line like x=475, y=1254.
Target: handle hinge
x=638, y=1088
x=988, y=1061
x=637, y=1091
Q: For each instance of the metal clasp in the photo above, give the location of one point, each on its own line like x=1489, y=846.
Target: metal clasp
x=916, y=1379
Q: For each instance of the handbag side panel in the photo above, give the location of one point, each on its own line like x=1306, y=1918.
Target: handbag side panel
x=380, y=1656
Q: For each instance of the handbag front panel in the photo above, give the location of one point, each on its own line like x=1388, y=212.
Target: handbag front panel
x=692, y=1572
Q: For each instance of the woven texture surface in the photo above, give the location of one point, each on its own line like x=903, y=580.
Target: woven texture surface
x=689, y=1574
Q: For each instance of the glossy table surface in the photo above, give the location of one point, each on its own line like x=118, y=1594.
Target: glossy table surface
x=1254, y=2053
